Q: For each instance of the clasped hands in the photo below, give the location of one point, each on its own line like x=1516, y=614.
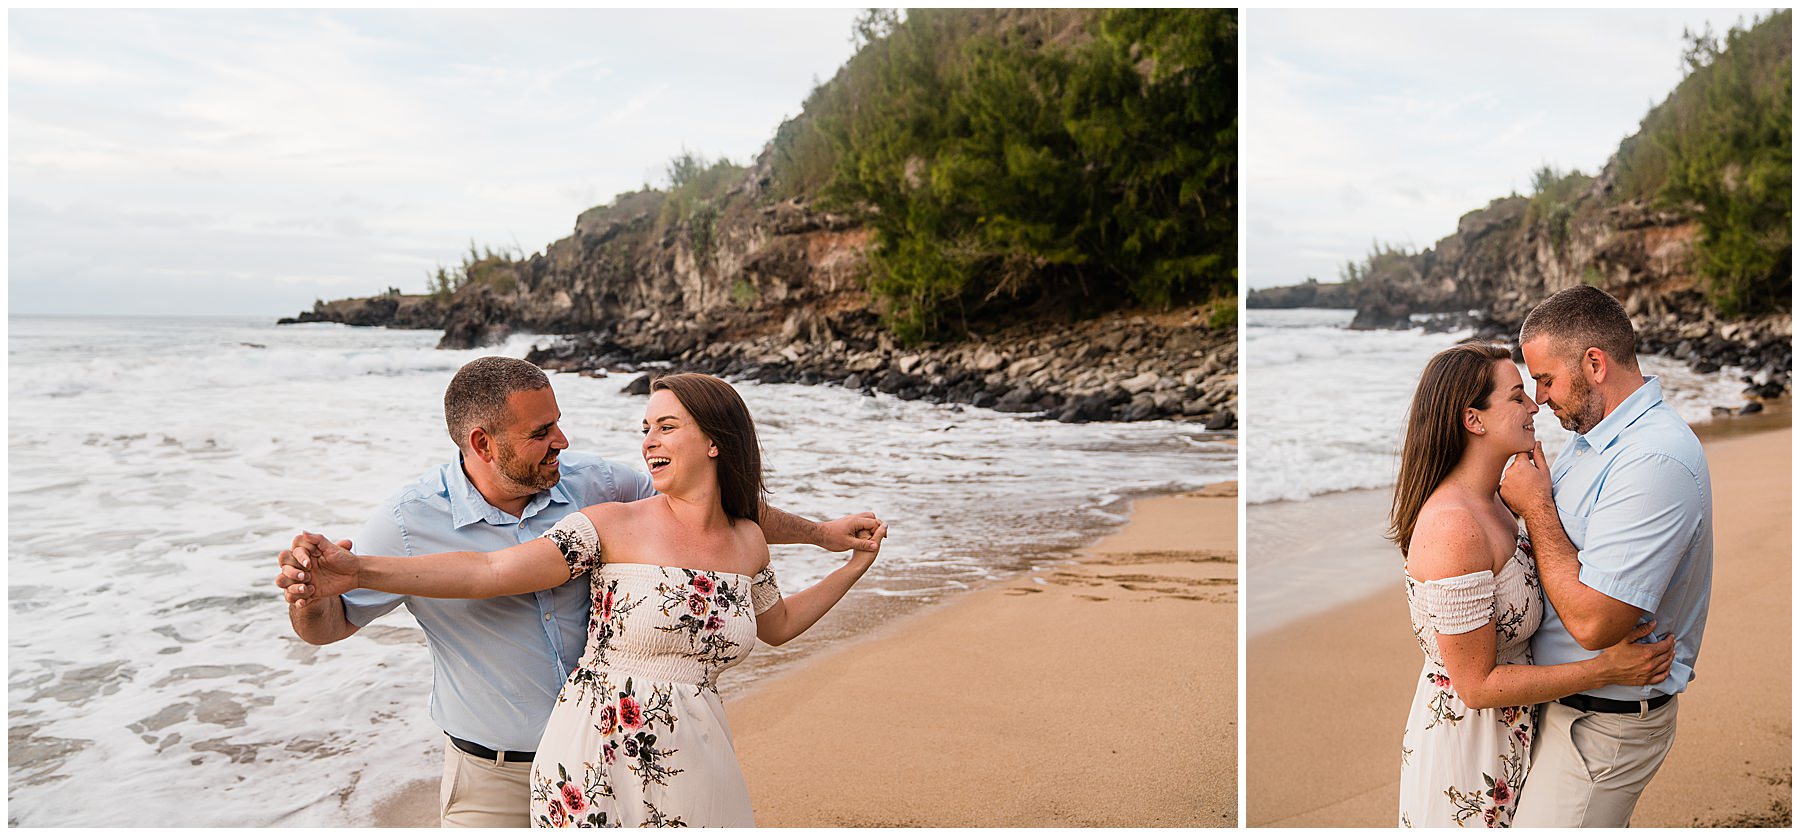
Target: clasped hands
x=314, y=569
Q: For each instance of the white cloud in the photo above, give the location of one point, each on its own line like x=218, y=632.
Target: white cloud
x=357, y=149
x=1360, y=126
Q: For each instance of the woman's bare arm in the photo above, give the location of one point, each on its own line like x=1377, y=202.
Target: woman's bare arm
x=328, y=570
x=1451, y=543
x=794, y=614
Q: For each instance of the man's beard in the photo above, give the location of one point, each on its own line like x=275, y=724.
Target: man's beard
x=524, y=476
x=1584, y=409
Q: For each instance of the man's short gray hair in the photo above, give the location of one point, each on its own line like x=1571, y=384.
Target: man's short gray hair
x=477, y=394
x=1582, y=317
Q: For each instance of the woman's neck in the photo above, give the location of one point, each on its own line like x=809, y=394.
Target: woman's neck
x=1478, y=471
x=699, y=510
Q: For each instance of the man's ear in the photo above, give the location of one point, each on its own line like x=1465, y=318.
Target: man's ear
x=482, y=444
x=1596, y=365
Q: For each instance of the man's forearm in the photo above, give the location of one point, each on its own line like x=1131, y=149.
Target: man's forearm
x=781, y=527
x=322, y=623
x=1558, y=561
x=1595, y=619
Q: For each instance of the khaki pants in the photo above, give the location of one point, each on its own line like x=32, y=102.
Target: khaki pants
x=1588, y=769
x=476, y=792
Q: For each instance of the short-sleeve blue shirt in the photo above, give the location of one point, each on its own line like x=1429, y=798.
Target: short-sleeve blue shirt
x=1635, y=497
x=497, y=663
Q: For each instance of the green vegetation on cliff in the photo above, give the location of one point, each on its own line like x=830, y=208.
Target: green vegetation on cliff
x=1554, y=195
x=1723, y=141
x=1009, y=159
x=479, y=267
x=697, y=193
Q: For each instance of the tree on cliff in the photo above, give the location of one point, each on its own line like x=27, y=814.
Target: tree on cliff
x=1723, y=142
x=1013, y=159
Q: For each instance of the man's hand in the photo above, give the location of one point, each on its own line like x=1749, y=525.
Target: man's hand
x=855, y=532
x=878, y=535
x=291, y=575
x=319, y=570
x=1526, y=487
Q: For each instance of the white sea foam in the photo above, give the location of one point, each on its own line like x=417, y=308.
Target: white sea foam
x=157, y=465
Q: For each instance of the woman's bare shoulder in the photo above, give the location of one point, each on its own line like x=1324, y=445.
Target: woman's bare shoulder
x=1448, y=540
x=614, y=515
x=752, y=542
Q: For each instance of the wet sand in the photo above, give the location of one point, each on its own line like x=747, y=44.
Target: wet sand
x=1327, y=694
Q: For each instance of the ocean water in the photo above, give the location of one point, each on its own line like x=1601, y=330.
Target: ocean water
x=1324, y=414
x=1325, y=407
x=158, y=465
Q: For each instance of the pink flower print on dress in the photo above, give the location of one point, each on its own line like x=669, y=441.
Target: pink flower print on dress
x=704, y=584
x=572, y=798
x=631, y=715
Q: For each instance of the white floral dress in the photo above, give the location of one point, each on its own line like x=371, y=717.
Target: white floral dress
x=1462, y=766
x=638, y=736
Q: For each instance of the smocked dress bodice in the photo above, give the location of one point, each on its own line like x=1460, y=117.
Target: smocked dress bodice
x=638, y=735
x=1462, y=766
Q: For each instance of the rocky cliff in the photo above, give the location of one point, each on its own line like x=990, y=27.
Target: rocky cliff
x=393, y=310
x=775, y=291
x=1505, y=258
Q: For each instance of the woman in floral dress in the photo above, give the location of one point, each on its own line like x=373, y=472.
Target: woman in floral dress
x=1472, y=587
x=682, y=590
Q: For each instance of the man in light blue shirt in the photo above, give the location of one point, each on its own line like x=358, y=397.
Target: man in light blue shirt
x=1621, y=526
x=499, y=663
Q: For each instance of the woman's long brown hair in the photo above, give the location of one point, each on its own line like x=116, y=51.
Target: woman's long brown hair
x=723, y=418
x=1456, y=379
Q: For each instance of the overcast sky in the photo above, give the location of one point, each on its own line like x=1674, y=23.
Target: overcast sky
x=248, y=162
x=1391, y=125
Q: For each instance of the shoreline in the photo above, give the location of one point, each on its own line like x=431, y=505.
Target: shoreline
x=808, y=735
x=1731, y=764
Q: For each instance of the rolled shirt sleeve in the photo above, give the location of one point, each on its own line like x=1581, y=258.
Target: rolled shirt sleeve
x=382, y=534
x=1646, y=517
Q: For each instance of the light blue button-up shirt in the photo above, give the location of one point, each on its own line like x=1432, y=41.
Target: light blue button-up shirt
x=497, y=663
x=1635, y=497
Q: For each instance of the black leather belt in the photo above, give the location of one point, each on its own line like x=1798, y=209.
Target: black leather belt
x=1601, y=705
x=487, y=754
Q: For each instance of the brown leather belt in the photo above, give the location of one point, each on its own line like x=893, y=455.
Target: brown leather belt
x=487, y=754
x=1601, y=705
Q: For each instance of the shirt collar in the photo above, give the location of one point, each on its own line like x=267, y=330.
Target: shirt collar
x=1629, y=410
x=468, y=506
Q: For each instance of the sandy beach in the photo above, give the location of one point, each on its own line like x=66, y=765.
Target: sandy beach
x=1339, y=682
x=1100, y=692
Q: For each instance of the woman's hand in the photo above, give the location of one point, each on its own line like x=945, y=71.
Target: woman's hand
x=1628, y=663
x=325, y=570
x=869, y=555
